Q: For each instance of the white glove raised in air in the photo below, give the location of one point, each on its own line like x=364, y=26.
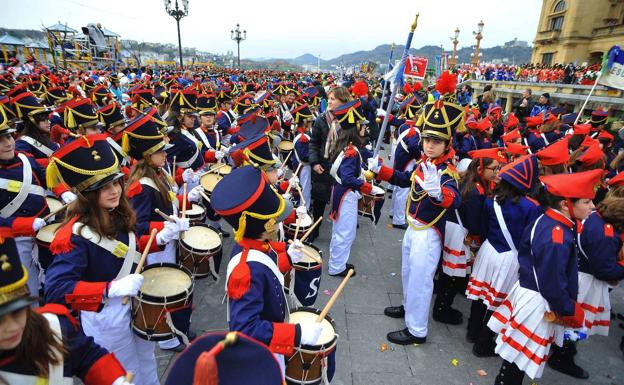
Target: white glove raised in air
x=126, y=286
x=68, y=197
x=431, y=181
x=189, y=176
x=295, y=251
x=310, y=333
x=219, y=154
x=374, y=164
x=195, y=194
x=168, y=233
x=294, y=181
x=38, y=223
x=381, y=112
x=301, y=211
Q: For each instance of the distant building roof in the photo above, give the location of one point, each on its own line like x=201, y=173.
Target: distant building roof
x=58, y=27
x=38, y=44
x=10, y=40
x=109, y=33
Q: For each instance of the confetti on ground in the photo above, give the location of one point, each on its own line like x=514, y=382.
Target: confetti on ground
x=383, y=348
x=327, y=292
x=389, y=226
x=482, y=372
x=393, y=274
x=454, y=362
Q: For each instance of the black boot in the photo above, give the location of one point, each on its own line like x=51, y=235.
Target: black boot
x=509, y=374
x=562, y=360
x=485, y=345
x=442, y=310
x=477, y=313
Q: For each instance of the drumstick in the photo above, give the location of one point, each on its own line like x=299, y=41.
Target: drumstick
x=297, y=227
x=334, y=297
x=164, y=216
x=204, y=196
x=307, y=233
x=139, y=267
x=213, y=169
x=173, y=168
x=53, y=213
x=286, y=160
x=309, y=254
x=303, y=202
x=295, y=173
x=184, y=192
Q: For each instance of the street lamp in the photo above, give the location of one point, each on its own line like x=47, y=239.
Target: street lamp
x=478, y=36
x=455, y=42
x=178, y=13
x=237, y=36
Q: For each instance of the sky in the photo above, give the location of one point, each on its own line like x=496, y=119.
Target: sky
x=286, y=29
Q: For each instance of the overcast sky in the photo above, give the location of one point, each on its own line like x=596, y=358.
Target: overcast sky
x=281, y=28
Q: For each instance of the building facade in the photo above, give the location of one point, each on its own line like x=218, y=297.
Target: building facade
x=577, y=31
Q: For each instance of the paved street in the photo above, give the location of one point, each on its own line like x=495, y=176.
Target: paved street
x=362, y=326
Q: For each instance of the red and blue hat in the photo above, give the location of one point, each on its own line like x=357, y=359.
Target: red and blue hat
x=244, y=104
x=599, y=117
x=110, y=115
x=207, y=104
x=55, y=95
x=302, y=113
x=555, y=154
x=13, y=278
x=255, y=151
x=522, y=173
x=142, y=136
x=411, y=105
x=578, y=185
x=349, y=114
x=183, y=101
x=495, y=153
x=232, y=358
x=27, y=105
x=78, y=113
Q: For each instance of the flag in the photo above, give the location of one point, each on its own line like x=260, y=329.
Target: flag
x=441, y=64
x=415, y=67
x=612, y=74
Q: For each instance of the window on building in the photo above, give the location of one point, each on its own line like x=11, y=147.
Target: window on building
x=547, y=58
x=560, y=6
x=556, y=23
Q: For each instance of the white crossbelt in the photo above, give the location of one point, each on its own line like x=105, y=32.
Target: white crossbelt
x=38, y=145
x=21, y=187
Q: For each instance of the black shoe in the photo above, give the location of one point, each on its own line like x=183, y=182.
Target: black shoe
x=404, y=337
x=448, y=316
x=509, y=374
x=176, y=349
x=395, y=311
x=484, y=351
x=562, y=360
x=345, y=271
x=402, y=227
x=191, y=335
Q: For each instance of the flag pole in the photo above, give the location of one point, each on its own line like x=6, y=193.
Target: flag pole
x=587, y=98
x=397, y=80
x=383, y=93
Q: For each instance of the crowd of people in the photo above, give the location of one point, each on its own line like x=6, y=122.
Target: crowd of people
x=117, y=185
x=571, y=73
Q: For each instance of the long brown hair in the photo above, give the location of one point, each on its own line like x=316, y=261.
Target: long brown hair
x=103, y=222
x=472, y=177
x=39, y=344
x=142, y=169
x=612, y=211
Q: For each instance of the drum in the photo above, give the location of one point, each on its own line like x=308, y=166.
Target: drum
x=45, y=235
x=366, y=205
x=196, y=214
x=166, y=287
x=304, y=224
x=55, y=205
x=308, y=275
x=209, y=180
x=220, y=169
x=286, y=146
x=200, y=244
x=307, y=364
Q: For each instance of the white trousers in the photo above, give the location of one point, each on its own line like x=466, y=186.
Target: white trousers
x=343, y=233
x=111, y=329
x=24, y=247
x=421, y=254
x=399, y=200
x=305, y=179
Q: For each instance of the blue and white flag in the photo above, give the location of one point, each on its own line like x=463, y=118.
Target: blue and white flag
x=613, y=68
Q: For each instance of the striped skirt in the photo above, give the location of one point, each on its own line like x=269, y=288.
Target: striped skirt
x=455, y=252
x=493, y=275
x=593, y=295
x=524, y=337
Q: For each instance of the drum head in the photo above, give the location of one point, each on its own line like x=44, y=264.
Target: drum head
x=54, y=204
x=304, y=223
x=308, y=316
x=165, y=281
x=377, y=191
x=286, y=145
x=203, y=238
x=209, y=181
x=220, y=168
x=195, y=211
x=312, y=250
x=46, y=233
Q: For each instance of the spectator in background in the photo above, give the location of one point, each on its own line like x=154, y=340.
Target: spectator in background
x=464, y=96
x=543, y=105
x=523, y=107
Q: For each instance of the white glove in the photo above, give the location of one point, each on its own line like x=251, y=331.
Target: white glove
x=374, y=164
x=280, y=172
x=295, y=251
x=195, y=194
x=369, y=147
x=126, y=286
x=38, y=223
x=182, y=223
x=219, y=154
x=431, y=181
x=68, y=197
x=293, y=181
x=168, y=233
x=189, y=176
x=301, y=211
x=381, y=112
x=226, y=150
x=310, y=333
x=287, y=196
x=122, y=381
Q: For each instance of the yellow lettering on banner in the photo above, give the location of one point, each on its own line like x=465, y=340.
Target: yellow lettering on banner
x=14, y=186
x=120, y=250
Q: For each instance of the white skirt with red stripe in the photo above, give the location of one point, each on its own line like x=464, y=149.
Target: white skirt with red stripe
x=493, y=275
x=593, y=295
x=455, y=252
x=524, y=337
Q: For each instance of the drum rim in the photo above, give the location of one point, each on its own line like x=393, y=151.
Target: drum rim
x=190, y=249
x=293, y=226
x=38, y=240
x=307, y=266
x=219, y=171
x=327, y=347
x=152, y=337
x=159, y=300
x=210, y=173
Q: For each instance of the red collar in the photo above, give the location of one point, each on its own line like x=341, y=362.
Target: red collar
x=441, y=159
x=559, y=217
x=254, y=244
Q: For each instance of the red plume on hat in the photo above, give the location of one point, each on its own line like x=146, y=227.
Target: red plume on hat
x=417, y=87
x=360, y=89
x=447, y=83
x=512, y=121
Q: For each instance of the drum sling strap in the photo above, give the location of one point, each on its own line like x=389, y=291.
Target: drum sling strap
x=23, y=188
x=56, y=371
x=47, y=151
x=503, y=226
x=546, y=305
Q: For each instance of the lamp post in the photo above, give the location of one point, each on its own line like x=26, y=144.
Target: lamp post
x=237, y=36
x=178, y=13
x=478, y=36
x=455, y=42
